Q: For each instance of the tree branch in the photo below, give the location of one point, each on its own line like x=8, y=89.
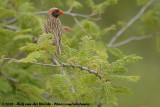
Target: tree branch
x=65, y=12
x=134, y=38
x=15, y=29
x=13, y=20
x=63, y=65
x=9, y=78
x=70, y=9
x=82, y=15
x=11, y=28
x=129, y=23
x=81, y=26
x=58, y=62
x=71, y=14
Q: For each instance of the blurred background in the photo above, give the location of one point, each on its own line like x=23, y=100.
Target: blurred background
x=146, y=92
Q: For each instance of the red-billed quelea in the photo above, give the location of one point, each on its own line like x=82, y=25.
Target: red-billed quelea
x=53, y=26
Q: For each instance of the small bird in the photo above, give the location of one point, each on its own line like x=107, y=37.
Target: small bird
x=53, y=25
x=66, y=29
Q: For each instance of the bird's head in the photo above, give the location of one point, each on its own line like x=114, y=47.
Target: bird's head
x=55, y=12
x=66, y=29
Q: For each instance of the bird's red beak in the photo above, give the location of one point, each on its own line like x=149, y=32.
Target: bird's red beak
x=68, y=30
x=60, y=12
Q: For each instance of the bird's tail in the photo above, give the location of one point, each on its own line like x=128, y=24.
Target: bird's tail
x=58, y=50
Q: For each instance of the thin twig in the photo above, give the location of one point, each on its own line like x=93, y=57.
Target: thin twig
x=34, y=38
x=54, y=57
x=13, y=20
x=82, y=15
x=70, y=9
x=134, y=38
x=41, y=12
x=63, y=65
x=69, y=13
x=95, y=19
x=130, y=23
x=74, y=15
x=33, y=62
x=81, y=26
x=15, y=29
x=42, y=4
x=18, y=54
x=11, y=28
x=56, y=61
x=65, y=12
x=9, y=78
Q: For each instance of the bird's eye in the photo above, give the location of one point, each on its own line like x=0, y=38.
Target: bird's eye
x=65, y=28
x=55, y=13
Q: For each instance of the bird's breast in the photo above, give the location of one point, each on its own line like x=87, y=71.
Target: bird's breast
x=52, y=25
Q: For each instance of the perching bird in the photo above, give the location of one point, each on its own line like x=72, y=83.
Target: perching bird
x=53, y=26
x=66, y=29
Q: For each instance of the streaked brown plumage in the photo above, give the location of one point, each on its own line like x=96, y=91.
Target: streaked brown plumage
x=53, y=26
x=65, y=29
